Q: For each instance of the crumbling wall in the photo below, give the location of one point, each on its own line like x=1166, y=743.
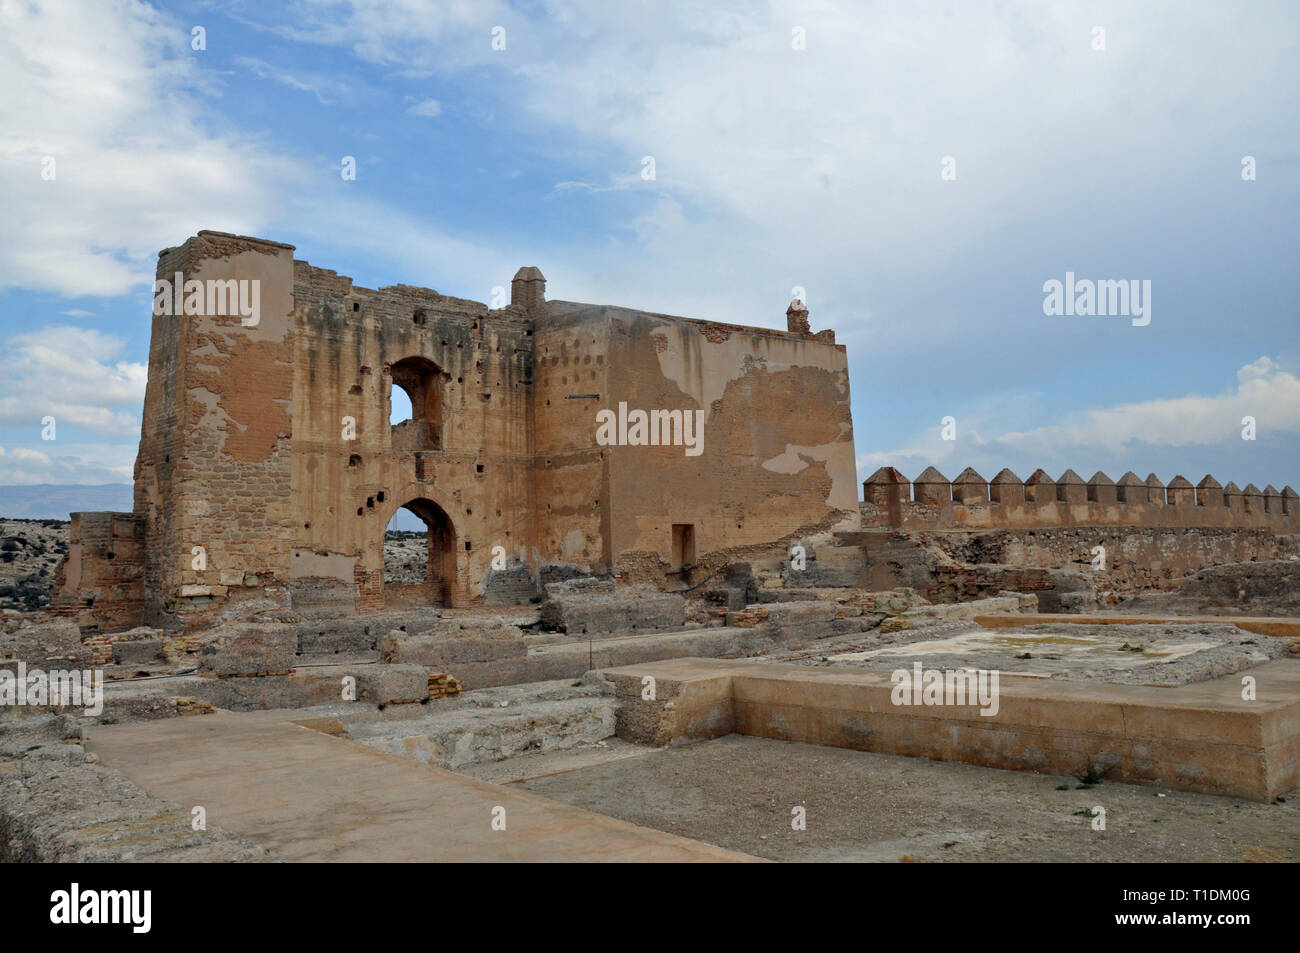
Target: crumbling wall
x=101, y=582
x=268, y=467
x=471, y=459
x=573, y=499
x=777, y=456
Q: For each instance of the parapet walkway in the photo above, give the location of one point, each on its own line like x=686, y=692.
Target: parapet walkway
x=307, y=796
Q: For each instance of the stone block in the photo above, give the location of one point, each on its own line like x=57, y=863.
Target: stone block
x=932, y=487
x=633, y=609
x=444, y=649
x=1007, y=488
x=250, y=648
x=137, y=652
x=970, y=487
x=393, y=684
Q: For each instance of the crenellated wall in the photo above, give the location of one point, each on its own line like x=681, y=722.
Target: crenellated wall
x=933, y=502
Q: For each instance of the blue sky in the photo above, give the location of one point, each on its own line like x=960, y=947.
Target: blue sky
x=776, y=168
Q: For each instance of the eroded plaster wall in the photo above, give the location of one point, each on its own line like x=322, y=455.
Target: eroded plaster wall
x=777, y=458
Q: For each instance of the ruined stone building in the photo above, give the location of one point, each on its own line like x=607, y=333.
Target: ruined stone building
x=268, y=469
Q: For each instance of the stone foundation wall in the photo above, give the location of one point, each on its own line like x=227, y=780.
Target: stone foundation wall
x=1137, y=559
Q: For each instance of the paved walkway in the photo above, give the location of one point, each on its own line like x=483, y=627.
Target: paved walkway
x=308, y=796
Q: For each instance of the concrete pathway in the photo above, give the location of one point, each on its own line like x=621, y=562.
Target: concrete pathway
x=308, y=796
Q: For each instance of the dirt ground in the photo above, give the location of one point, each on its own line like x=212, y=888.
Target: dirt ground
x=738, y=792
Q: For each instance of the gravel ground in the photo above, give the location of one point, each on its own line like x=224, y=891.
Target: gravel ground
x=738, y=792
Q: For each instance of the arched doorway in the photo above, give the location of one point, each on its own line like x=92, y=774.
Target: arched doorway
x=407, y=582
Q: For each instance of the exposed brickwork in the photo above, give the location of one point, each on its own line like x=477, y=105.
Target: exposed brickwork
x=749, y=617
x=101, y=649
x=442, y=685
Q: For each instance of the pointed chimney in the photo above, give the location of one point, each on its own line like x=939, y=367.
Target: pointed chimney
x=528, y=290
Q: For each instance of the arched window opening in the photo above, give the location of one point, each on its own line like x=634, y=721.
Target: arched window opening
x=415, y=405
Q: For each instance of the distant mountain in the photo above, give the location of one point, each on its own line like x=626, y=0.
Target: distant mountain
x=54, y=501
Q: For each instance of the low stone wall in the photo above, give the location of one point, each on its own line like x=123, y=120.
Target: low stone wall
x=1194, y=737
x=599, y=611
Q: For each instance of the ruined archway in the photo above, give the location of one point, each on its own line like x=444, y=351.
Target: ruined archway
x=421, y=381
x=402, y=587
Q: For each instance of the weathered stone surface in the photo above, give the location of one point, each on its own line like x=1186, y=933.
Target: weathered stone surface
x=250, y=648
x=1006, y=487
x=582, y=585
x=931, y=487
x=1040, y=488
x=57, y=805
x=495, y=724
x=1209, y=492
x=444, y=648
x=393, y=684
x=630, y=609
x=785, y=617
x=1131, y=488
x=1102, y=489
x=970, y=487
x=138, y=652
x=1070, y=488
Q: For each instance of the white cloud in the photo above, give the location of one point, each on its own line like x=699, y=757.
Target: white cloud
x=1263, y=390
x=416, y=36
x=427, y=107
x=111, y=92
x=314, y=84
x=821, y=167
x=74, y=375
x=73, y=463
